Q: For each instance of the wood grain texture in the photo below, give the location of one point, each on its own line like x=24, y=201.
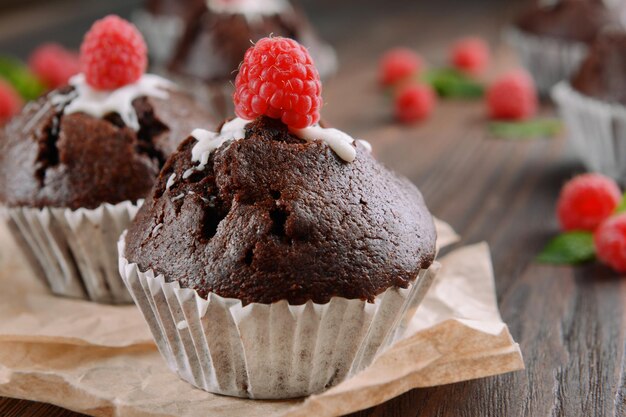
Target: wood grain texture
x=570, y=322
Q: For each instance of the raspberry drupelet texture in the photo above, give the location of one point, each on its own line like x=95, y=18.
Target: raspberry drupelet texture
x=278, y=79
x=54, y=64
x=512, y=97
x=10, y=102
x=586, y=201
x=113, y=54
x=399, y=64
x=610, y=242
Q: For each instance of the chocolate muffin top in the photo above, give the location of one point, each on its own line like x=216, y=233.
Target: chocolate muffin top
x=603, y=73
x=271, y=217
x=214, y=42
x=570, y=20
x=48, y=158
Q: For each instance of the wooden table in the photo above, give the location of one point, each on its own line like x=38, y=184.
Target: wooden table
x=570, y=322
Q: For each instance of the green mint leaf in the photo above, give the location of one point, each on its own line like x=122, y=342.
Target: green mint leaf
x=621, y=208
x=537, y=128
x=17, y=74
x=450, y=83
x=569, y=249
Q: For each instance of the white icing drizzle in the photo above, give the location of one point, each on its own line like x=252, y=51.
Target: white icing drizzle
x=178, y=197
x=251, y=9
x=340, y=142
x=170, y=181
x=210, y=141
x=100, y=103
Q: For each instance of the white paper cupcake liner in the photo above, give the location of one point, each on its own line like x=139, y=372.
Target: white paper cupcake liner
x=548, y=60
x=268, y=351
x=74, y=252
x=597, y=130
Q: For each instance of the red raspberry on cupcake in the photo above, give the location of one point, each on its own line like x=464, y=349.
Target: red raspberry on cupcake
x=586, y=201
x=278, y=79
x=113, y=54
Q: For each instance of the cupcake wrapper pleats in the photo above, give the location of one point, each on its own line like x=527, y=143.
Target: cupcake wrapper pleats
x=268, y=351
x=597, y=130
x=548, y=60
x=74, y=252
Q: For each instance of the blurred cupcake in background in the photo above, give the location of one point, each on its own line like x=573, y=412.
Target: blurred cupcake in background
x=162, y=23
x=206, y=40
x=75, y=163
x=593, y=105
x=552, y=40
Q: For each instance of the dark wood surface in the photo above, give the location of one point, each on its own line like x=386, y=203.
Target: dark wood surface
x=570, y=322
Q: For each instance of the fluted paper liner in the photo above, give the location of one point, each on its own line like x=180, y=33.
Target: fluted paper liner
x=548, y=60
x=100, y=360
x=268, y=350
x=74, y=251
x=597, y=130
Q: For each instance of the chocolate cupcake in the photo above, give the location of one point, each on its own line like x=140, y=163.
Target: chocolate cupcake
x=215, y=34
x=77, y=162
x=593, y=106
x=275, y=257
x=553, y=40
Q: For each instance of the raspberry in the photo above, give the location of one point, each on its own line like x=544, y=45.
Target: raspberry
x=53, y=64
x=470, y=55
x=10, y=102
x=414, y=103
x=586, y=201
x=113, y=54
x=399, y=64
x=610, y=242
x=278, y=79
x=512, y=97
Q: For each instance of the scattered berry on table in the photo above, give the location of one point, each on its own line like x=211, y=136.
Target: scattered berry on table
x=278, y=79
x=470, y=55
x=586, y=201
x=10, y=102
x=113, y=54
x=512, y=97
x=610, y=242
x=414, y=103
x=54, y=64
x=399, y=64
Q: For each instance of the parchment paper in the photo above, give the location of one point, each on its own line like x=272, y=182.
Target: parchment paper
x=100, y=360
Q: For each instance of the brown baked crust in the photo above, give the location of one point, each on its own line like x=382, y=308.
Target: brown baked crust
x=76, y=160
x=569, y=20
x=603, y=73
x=273, y=218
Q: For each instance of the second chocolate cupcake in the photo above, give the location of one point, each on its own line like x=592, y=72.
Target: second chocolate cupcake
x=76, y=163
